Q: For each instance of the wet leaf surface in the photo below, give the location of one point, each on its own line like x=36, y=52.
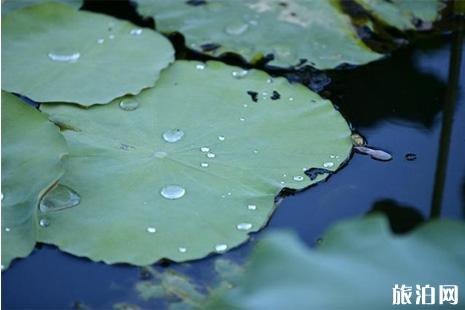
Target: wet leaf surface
x=51, y=52
x=180, y=177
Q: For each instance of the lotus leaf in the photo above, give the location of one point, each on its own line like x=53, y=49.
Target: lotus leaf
x=357, y=267
x=290, y=30
x=54, y=53
x=405, y=14
x=32, y=148
x=191, y=166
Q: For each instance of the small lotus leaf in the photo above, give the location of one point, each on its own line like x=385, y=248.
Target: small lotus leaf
x=51, y=52
x=230, y=140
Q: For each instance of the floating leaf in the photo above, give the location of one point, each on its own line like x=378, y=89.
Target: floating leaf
x=356, y=267
x=290, y=30
x=55, y=53
x=405, y=14
x=31, y=151
x=12, y=5
x=194, y=168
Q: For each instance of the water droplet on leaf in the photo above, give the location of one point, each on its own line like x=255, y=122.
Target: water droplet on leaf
x=129, y=104
x=239, y=74
x=173, y=135
x=204, y=165
x=251, y=207
x=204, y=149
x=298, y=178
x=236, y=29
x=151, y=230
x=200, y=66
x=58, y=198
x=136, y=32
x=211, y=155
x=44, y=222
x=182, y=250
x=221, y=248
x=328, y=164
x=221, y=138
x=64, y=56
x=172, y=192
x=244, y=226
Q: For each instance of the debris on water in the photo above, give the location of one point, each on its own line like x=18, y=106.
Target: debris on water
x=253, y=95
x=314, y=172
x=357, y=140
x=275, y=95
x=410, y=156
x=209, y=47
x=374, y=153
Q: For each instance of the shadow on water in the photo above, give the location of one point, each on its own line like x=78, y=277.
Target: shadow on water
x=396, y=103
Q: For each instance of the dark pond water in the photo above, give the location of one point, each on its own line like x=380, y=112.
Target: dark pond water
x=395, y=103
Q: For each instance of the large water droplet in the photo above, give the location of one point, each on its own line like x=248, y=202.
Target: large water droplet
x=44, y=222
x=58, y=198
x=239, y=74
x=211, y=155
x=151, y=230
x=244, y=226
x=204, y=149
x=172, y=192
x=128, y=104
x=64, y=55
x=221, y=248
x=252, y=207
x=298, y=178
x=328, y=164
x=136, y=32
x=236, y=29
x=173, y=135
x=182, y=250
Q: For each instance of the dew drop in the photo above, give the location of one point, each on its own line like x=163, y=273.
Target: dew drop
x=244, y=226
x=221, y=248
x=298, y=178
x=211, y=155
x=291, y=99
x=328, y=164
x=200, y=66
x=221, y=138
x=7, y=229
x=111, y=36
x=44, y=222
x=332, y=156
x=204, y=149
x=129, y=104
x=269, y=81
x=173, y=135
x=136, y=32
x=252, y=207
x=240, y=74
x=64, y=56
x=236, y=29
x=245, y=105
x=100, y=41
x=182, y=250
x=58, y=198
x=173, y=192
x=151, y=230
x=242, y=119
x=255, y=151
x=204, y=165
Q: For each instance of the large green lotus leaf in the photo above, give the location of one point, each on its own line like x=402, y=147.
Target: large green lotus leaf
x=11, y=5
x=356, y=267
x=404, y=14
x=51, y=52
x=232, y=157
x=32, y=148
x=291, y=30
